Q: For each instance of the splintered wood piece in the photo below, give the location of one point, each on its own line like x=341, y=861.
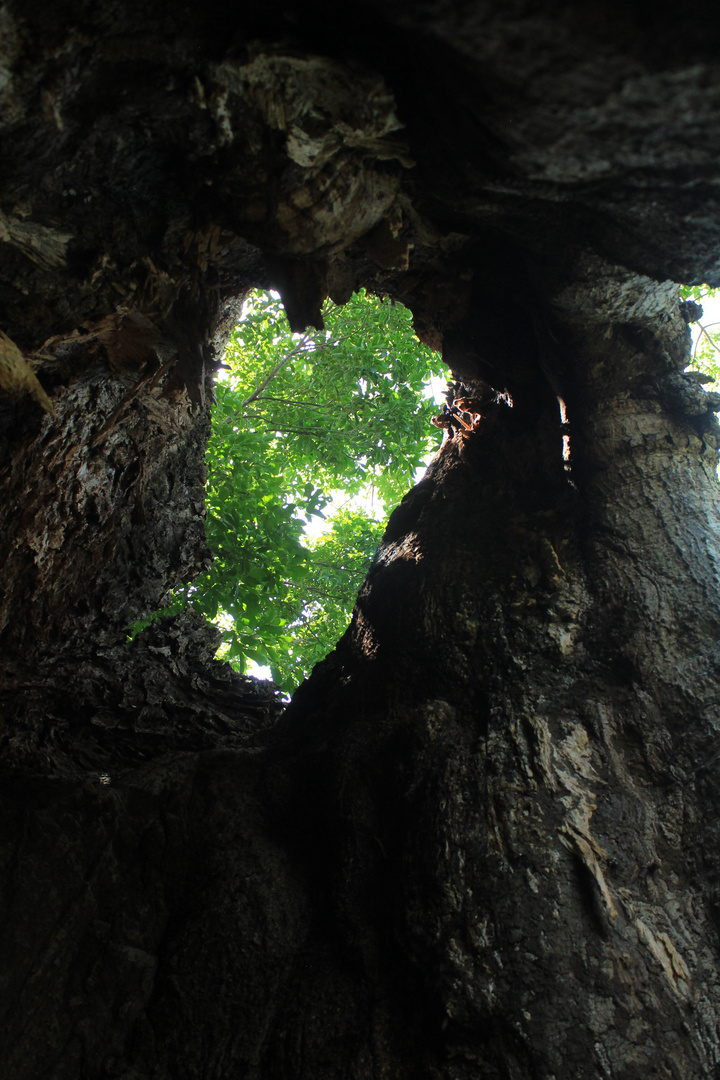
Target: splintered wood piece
x=17, y=376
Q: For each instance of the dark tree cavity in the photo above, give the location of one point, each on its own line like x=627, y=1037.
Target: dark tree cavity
x=483, y=840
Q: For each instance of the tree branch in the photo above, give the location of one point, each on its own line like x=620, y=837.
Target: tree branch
x=297, y=351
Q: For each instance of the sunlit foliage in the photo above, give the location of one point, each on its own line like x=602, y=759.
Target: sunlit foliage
x=706, y=349
x=298, y=418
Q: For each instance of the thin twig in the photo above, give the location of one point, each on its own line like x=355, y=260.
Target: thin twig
x=704, y=331
x=297, y=351
x=297, y=431
x=333, y=566
x=294, y=401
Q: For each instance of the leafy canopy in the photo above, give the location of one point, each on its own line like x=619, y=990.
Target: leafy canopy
x=298, y=418
x=706, y=350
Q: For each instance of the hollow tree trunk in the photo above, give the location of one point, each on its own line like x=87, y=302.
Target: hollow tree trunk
x=482, y=841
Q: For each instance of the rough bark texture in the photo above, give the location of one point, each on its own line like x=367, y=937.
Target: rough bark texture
x=483, y=839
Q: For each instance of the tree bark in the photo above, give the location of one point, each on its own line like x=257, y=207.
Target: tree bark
x=482, y=840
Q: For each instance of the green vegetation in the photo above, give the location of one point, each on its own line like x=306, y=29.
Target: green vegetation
x=706, y=352
x=302, y=423
x=299, y=418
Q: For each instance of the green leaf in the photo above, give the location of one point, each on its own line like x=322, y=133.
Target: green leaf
x=298, y=417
